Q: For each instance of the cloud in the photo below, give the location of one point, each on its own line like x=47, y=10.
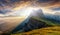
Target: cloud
x=55, y=8
x=10, y=6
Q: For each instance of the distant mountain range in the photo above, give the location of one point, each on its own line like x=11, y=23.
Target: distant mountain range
x=53, y=17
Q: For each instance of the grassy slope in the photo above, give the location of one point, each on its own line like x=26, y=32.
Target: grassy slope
x=47, y=21
x=42, y=31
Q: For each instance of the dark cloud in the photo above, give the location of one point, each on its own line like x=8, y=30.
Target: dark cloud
x=4, y=11
x=43, y=1
x=55, y=8
x=6, y=5
x=48, y=2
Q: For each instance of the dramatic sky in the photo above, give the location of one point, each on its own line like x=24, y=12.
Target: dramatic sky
x=24, y=8
x=17, y=7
